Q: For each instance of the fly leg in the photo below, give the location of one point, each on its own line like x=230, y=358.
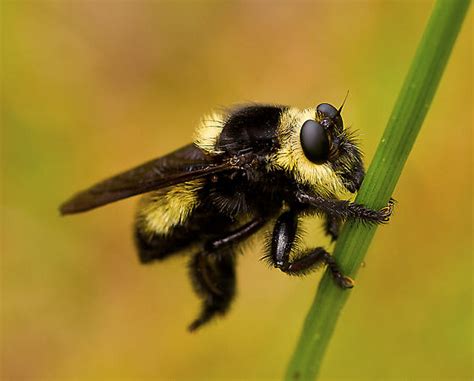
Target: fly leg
x=343, y=209
x=212, y=272
x=237, y=235
x=283, y=239
x=332, y=226
x=213, y=279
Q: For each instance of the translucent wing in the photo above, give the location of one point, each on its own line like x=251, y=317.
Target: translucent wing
x=186, y=164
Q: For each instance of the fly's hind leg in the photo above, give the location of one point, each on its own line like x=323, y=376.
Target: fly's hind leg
x=284, y=235
x=237, y=235
x=212, y=272
x=213, y=279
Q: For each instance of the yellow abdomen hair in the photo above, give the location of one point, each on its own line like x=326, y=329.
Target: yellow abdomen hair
x=159, y=212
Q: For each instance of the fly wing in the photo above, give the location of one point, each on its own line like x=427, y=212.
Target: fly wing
x=185, y=164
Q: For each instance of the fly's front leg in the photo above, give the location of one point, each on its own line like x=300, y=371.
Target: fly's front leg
x=332, y=227
x=283, y=240
x=343, y=209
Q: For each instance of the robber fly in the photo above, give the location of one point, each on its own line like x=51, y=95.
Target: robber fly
x=249, y=167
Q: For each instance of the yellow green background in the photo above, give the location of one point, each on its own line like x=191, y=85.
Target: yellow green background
x=94, y=87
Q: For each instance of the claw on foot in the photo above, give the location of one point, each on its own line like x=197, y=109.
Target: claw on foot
x=344, y=281
x=388, y=210
x=347, y=282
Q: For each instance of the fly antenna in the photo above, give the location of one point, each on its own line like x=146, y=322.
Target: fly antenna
x=343, y=103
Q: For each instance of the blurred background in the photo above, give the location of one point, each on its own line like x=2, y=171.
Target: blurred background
x=92, y=88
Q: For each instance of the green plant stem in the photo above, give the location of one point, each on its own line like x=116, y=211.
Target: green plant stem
x=402, y=129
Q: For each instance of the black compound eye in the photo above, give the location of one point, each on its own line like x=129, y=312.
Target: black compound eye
x=329, y=111
x=314, y=141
